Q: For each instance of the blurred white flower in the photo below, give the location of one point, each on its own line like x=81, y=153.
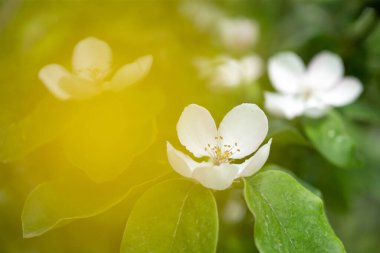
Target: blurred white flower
x=234, y=209
x=234, y=34
x=309, y=91
x=240, y=134
x=238, y=34
x=203, y=15
x=91, y=61
x=227, y=72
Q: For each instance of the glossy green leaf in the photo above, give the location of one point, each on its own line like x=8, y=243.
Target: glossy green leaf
x=288, y=217
x=56, y=203
x=174, y=216
x=331, y=138
x=42, y=125
x=291, y=173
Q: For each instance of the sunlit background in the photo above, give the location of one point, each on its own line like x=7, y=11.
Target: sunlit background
x=94, y=151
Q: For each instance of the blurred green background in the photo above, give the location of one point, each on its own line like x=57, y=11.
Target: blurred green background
x=34, y=33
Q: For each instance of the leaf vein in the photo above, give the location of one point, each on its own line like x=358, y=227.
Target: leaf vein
x=180, y=217
x=278, y=220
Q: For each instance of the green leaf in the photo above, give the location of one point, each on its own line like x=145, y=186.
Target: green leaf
x=285, y=133
x=110, y=131
x=331, y=138
x=58, y=202
x=363, y=24
x=174, y=216
x=305, y=184
x=41, y=126
x=288, y=217
x=363, y=112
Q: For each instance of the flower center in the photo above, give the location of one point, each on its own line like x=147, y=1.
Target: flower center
x=221, y=153
x=94, y=73
x=306, y=94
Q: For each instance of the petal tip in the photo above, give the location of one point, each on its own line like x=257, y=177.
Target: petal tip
x=50, y=75
x=145, y=63
x=196, y=129
x=91, y=39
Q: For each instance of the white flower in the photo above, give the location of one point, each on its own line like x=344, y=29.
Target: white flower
x=238, y=34
x=309, y=91
x=227, y=72
x=234, y=209
x=240, y=134
x=91, y=61
x=203, y=15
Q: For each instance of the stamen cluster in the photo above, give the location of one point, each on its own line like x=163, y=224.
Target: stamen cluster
x=221, y=153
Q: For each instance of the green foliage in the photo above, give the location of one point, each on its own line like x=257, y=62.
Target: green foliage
x=101, y=136
x=56, y=203
x=332, y=139
x=45, y=123
x=174, y=216
x=362, y=112
x=87, y=150
x=288, y=217
x=285, y=134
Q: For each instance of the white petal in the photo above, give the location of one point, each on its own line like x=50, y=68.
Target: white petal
x=316, y=112
x=238, y=34
x=256, y=162
x=130, y=73
x=288, y=106
x=315, y=108
x=251, y=68
x=92, y=59
x=227, y=74
x=324, y=71
x=204, y=66
x=216, y=177
x=79, y=88
x=50, y=76
x=196, y=129
x=180, y=162
x=286, y=71
x=247, y=126
x=204, y=15
x=346, y=92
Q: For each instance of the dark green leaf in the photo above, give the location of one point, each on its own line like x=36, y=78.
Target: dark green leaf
x=362, y=112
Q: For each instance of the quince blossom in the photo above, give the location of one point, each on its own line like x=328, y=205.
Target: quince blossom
x=309, y=91
x=91, y=61
x=240, y=133
x=227, y=72
x=238, y=34
x=204, y=15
